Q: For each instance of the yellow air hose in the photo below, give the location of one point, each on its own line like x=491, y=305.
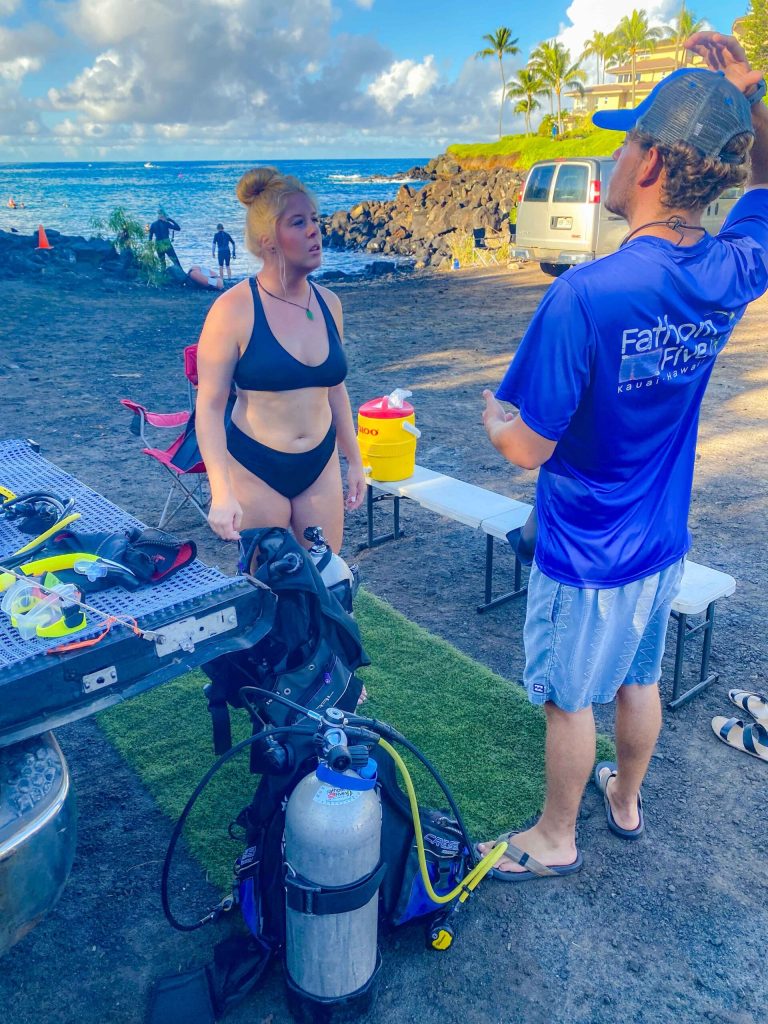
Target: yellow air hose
x=473, y=878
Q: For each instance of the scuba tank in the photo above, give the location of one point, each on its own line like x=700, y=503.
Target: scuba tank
x=333, y=874
x=340, y=579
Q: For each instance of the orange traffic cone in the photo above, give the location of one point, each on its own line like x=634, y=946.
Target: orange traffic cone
x=42, y=238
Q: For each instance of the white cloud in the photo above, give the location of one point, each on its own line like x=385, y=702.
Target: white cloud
x=22, y=51
x=588, y=16
x=365, y=4
x=402, y=79
x=228, y=77
x=14, y=70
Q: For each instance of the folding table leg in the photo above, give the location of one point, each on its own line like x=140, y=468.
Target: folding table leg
x=705, y=676
x=707, y=646
x=374, y=541
x=494, y=602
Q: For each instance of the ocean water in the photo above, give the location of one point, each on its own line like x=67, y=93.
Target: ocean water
x=197, y=195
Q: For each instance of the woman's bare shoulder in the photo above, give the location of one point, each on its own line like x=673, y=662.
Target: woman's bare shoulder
x=239, y=295
x=331, y=299
x=235, y=304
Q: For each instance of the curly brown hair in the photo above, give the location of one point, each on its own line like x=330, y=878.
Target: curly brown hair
x=692, y=181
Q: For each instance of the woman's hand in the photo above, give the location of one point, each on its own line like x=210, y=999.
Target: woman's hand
x=225, y=517
x=355, y=486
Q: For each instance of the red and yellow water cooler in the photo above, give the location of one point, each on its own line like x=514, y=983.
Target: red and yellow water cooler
x=387, y=435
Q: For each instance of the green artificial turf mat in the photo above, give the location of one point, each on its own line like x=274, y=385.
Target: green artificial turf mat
x=476, y=727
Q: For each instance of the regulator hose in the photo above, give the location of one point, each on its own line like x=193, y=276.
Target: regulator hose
x=179, y=827
x=473, y=877
x=462, y=890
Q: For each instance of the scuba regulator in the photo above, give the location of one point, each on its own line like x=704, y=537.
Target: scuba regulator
x=330, y=878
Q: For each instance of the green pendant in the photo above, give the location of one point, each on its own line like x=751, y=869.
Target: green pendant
x=310, y=314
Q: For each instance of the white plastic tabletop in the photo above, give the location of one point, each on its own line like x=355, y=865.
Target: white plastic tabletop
x=700, y=586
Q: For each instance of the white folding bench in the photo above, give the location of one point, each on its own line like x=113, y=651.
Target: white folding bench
x=465, y=503
x=497, y=516
x=700, y=589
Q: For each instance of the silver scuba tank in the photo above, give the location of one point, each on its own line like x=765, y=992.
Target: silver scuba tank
x=339, y=578
x=332, y=856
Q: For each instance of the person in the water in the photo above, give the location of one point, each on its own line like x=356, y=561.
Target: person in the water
x=160, y=232
x=222, y=240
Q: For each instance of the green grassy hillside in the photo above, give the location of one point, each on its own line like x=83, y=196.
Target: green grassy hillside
x=522, y=150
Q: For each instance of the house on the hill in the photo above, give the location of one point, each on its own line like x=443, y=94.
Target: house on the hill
x=650, y=68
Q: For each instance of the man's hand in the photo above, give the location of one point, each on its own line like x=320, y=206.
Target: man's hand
x=494, y=416
x=513, y=438
x=726, y=54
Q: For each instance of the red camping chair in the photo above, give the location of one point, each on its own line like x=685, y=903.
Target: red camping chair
x=190, y=372
x=182, y=460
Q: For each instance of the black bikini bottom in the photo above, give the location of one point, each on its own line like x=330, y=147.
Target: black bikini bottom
x=288, y=473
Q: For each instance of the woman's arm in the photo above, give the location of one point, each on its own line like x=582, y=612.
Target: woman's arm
x=217, y=354
x=343, y=420
x=341, y=410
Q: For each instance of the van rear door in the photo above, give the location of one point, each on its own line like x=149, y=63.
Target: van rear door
x=571, y=215
x=533, y=215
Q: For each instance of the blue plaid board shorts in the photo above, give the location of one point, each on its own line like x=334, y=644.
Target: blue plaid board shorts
x=581, y=645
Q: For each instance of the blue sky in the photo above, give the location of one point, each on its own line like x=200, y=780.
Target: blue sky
x=198, y=79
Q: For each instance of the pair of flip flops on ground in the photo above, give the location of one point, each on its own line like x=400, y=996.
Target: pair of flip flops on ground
x=752, y=738
x=604, y=772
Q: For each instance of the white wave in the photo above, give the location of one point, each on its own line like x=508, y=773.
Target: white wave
x=360, y=179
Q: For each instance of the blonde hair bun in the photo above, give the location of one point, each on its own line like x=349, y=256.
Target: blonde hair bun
x=264, y=191
x=254, y=182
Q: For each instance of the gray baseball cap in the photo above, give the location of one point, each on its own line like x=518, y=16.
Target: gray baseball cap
x=692, y=105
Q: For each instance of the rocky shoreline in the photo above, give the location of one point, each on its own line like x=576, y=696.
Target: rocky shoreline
x=430, y=224
x=426, y=225
x=73, y=261
x=69, y=257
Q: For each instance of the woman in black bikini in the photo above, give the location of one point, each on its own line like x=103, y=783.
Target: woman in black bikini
x=277, y=337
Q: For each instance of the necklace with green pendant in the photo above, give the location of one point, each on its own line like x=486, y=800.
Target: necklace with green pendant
x=308, y=312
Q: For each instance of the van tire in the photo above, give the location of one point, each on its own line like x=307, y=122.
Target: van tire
x=555, y=269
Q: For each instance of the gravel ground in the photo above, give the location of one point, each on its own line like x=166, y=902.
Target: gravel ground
x=668, y=929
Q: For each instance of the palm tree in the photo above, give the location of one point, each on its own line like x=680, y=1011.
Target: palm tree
x=525, y=88
x=526, y=107
x=684, y=25
x=636, y=36
x=599, y=46
x=552, y=62
x=500, y=45
x=617, y=49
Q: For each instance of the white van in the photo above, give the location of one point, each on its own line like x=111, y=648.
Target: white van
x=562, y=219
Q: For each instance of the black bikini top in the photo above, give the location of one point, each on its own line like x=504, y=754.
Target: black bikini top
x=266, y=366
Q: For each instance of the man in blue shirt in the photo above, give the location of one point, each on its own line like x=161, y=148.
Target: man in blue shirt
x=608, y=381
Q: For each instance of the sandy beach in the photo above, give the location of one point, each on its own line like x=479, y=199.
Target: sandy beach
x=665, y=930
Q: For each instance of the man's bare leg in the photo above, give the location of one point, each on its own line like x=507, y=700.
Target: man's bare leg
x=570, y=756
x=638, y=723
